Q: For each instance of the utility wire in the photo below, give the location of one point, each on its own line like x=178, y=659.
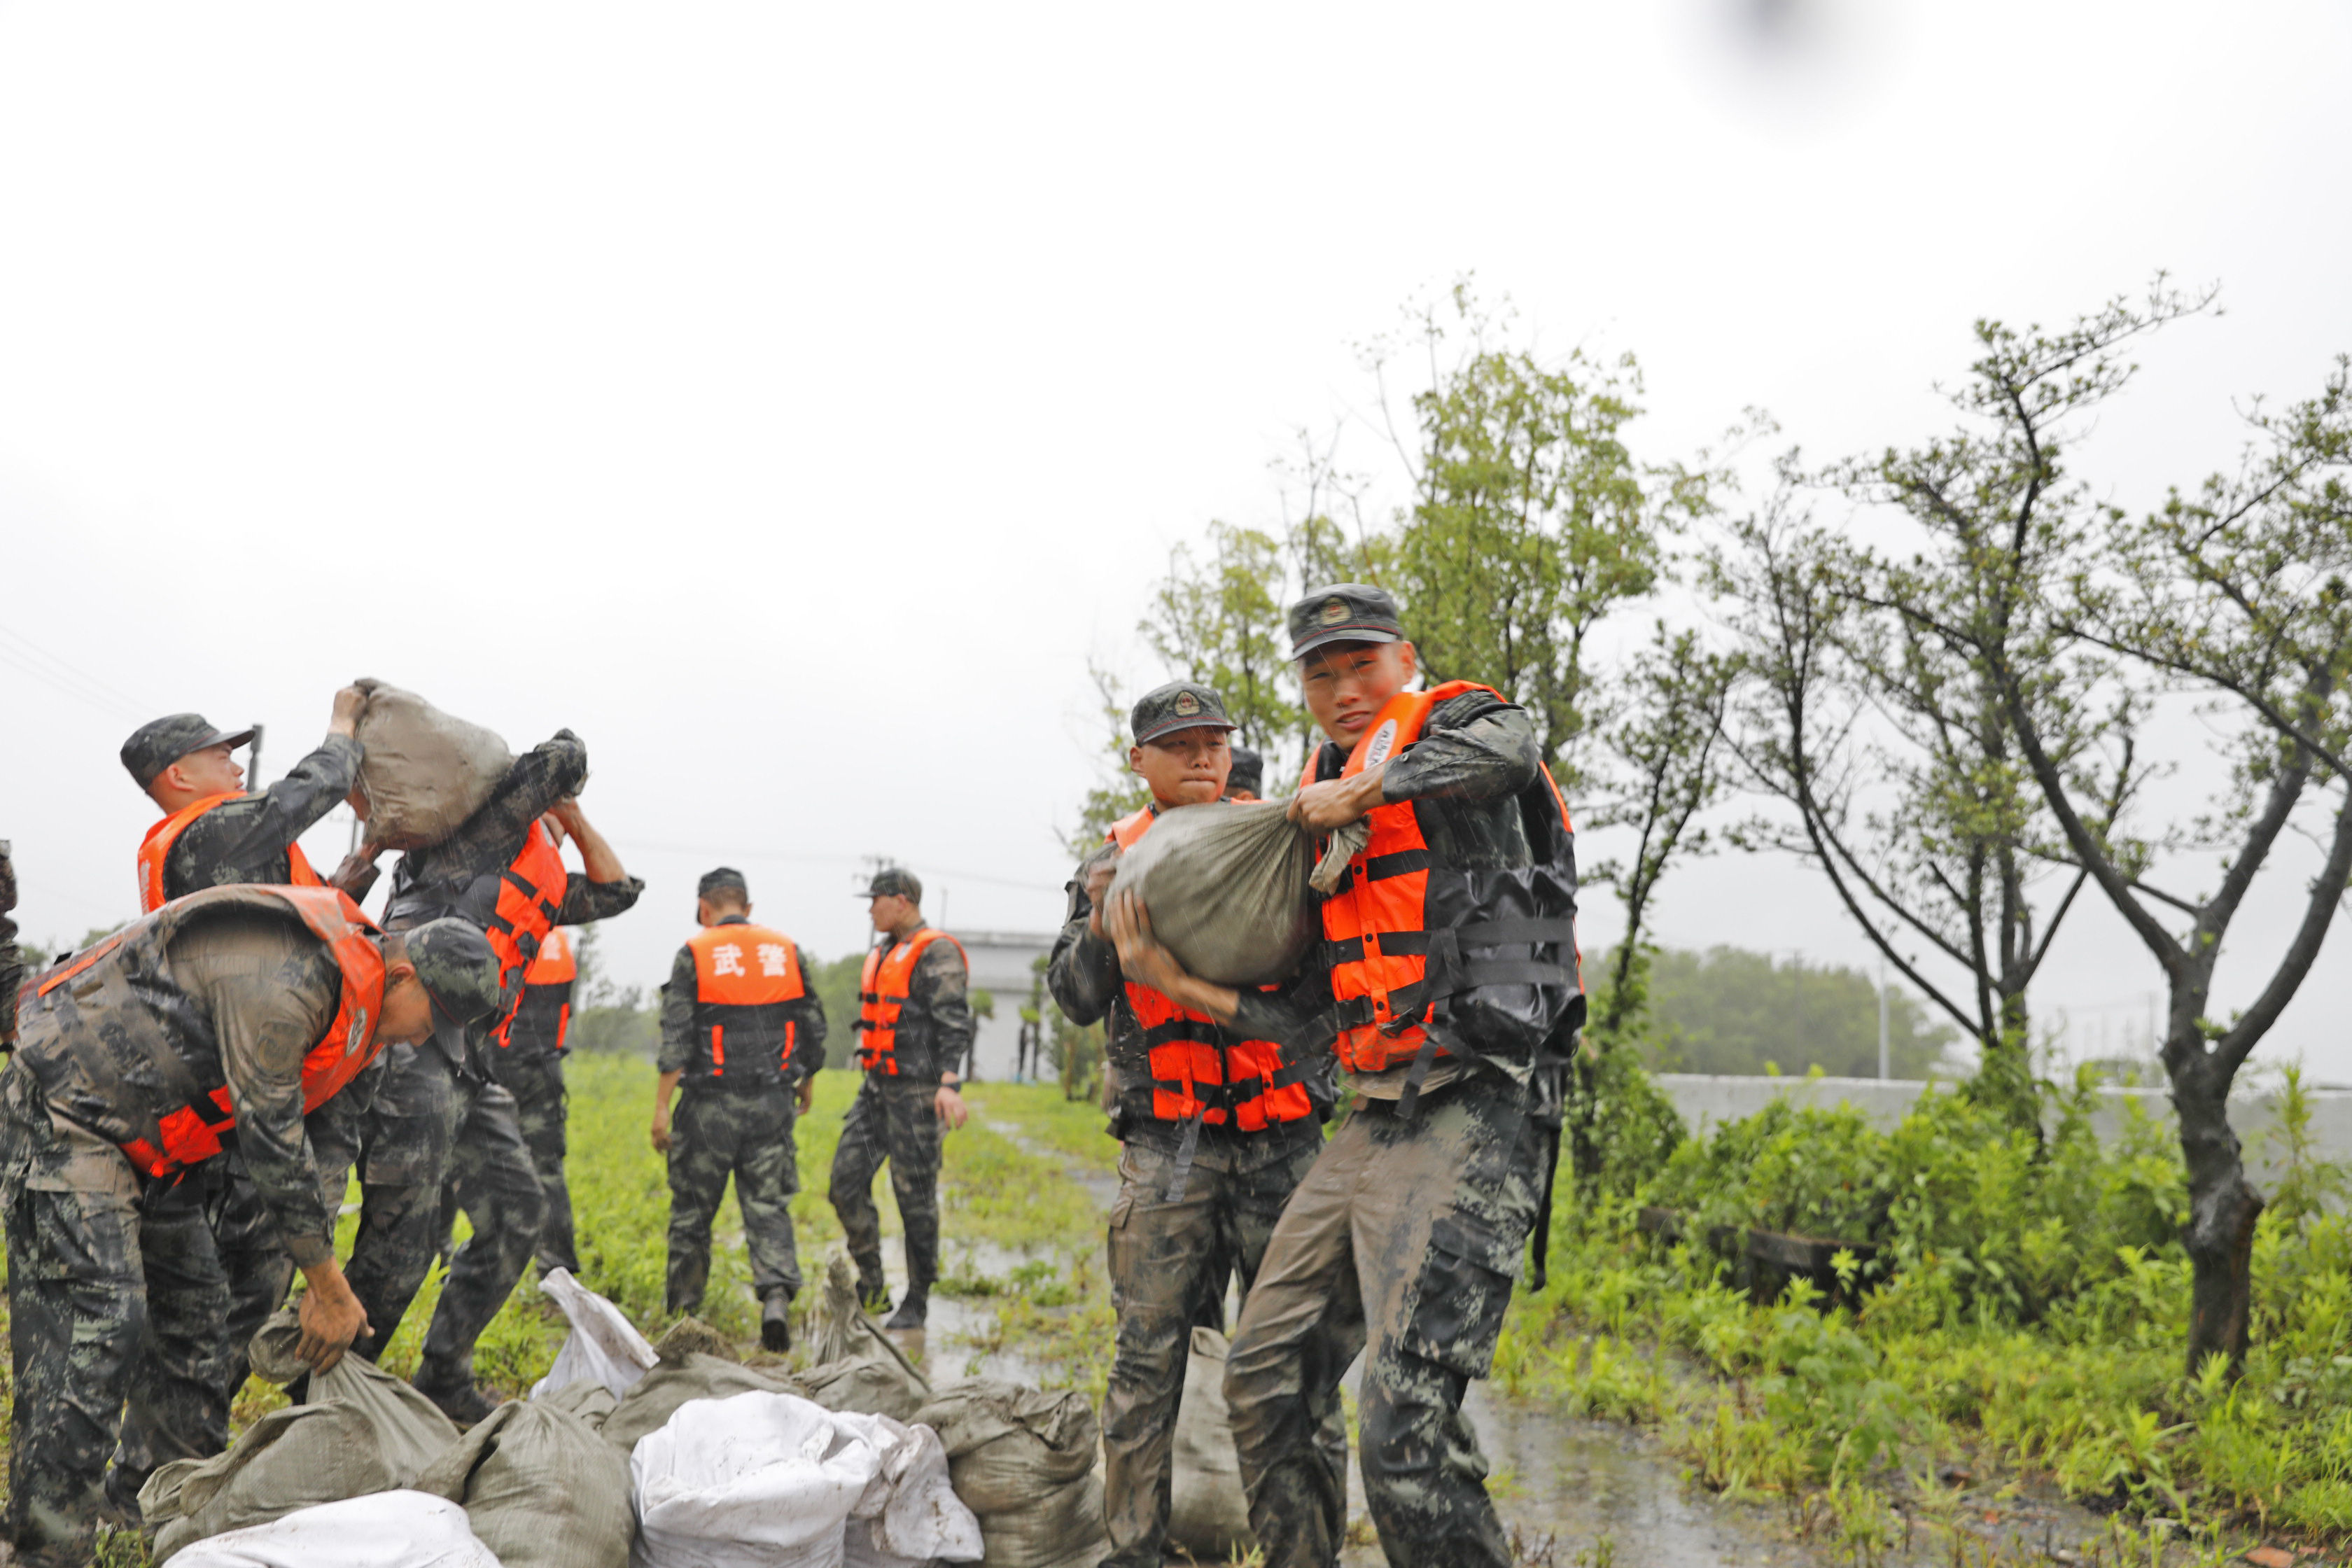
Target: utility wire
x=738, y=852
x=39, y=662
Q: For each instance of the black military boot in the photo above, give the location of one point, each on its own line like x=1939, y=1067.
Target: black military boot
x=776, y=1322
x=460, y=1398
x=913, y=1310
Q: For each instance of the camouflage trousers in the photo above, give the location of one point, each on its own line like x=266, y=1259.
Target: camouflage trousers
x=541, y=1108
x=1403, y=1243
x=896, y=1121
x=428, y=1125
x=91, y=1314
x=747, y=1135
x=206, y=1240
x=1170, y=1259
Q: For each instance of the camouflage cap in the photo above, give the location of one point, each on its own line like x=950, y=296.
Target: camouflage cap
x=459, y=971
x=1343, y=612
x=1248, y=777
x=1179, y=705
x=156, y=746
x=894, y=882
x=722, y=879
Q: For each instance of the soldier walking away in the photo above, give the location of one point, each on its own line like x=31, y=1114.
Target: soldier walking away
x=1217, y=1130
x=438, y=1115
x=1248, y=780
x=209, y=1231
x=233, y=1009
x=913, y=1021
x=745, y=1035
x=1448, y=965
x=527, y=1061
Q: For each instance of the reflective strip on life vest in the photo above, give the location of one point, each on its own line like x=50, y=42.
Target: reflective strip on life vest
x=882, y=992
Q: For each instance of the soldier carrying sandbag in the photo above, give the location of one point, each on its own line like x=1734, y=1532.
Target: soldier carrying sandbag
x=1447, y=969
x=232, y=1011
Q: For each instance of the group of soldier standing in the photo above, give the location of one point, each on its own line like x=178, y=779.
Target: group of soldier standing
x=192, y=1097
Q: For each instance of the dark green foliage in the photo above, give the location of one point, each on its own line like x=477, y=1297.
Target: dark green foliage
x=1627, y=1129
x=1729, y=1011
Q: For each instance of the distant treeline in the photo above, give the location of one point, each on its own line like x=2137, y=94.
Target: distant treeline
x=1730, y=1011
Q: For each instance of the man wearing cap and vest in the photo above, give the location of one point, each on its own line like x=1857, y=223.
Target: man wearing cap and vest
x=237, y=1009
x=526, y=1059
x=1218, y=1129
x=914, y=1021
x=744, y=1034
x=1448, y=975
x=208, y=1234
x=438, y=1116
x=1246, y=782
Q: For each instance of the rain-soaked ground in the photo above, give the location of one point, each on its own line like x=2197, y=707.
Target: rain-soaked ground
x=1576, y=1493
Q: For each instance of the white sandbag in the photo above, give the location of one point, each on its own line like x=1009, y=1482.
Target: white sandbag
x=603, y=1345
x=389, y=1530
x=1208, y=1514
x=661, y=1393
x=910, y=1514
x=541, y=1487
x=422, y=772
x=757, y=1480
x=361, y=1430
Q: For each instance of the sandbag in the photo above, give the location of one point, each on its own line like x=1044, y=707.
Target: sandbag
x=1227, y=889
x=423, y=772
x=1008, y=1445
x=1061, y=1529
x=656, y=1398
x=1208, y=1514
x=603, y=1346
x=756, y=1480
x=878, y=1380
x=540, y=1487
x=909, y=1514
x=361, y=1431
x=389, y=1530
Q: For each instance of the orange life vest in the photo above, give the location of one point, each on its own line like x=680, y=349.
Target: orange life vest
x=156, y=848
x=1197, y=1070
x=743, y=976
x=546, y=997
x=530, y=892
x=1376, y=925
x=127, y=1085
x=882, y=990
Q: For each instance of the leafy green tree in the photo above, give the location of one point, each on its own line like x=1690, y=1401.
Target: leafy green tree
x=2233, y=597
x=1221, y=622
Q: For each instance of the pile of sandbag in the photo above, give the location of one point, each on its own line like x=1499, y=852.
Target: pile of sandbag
x=385, y=1530
x=603, y=1346
x=1230, y=887
x=1023, y=1461
x=539, y=1485
x=423, y=772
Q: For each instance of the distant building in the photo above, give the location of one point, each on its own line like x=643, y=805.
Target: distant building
x=1002, y=964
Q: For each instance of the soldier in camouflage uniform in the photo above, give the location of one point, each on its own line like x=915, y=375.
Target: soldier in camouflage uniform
x=438, y=1117
x=209, y=1234
x=1218, y=1129
x=746, y=1036
x=12, y=957
x=220, y=999
x=1248, y=780
x=527, y=1061
x=1447, y=972
x=914, y=1020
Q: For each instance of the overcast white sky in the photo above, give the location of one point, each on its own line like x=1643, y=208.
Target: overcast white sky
x=790, y=399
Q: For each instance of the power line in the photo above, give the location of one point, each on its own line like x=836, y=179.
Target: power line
x=71, y=683
x=738, y=852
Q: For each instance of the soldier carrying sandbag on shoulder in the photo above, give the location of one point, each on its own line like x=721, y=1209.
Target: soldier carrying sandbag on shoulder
x=1218, y=1129
x=1448, y=968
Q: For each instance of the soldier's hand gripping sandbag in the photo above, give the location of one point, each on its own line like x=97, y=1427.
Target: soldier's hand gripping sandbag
x=1228, y=889
x=424, y=772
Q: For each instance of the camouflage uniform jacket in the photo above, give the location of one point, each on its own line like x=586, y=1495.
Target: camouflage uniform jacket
x=1475, y=755
x=678, y=1044
x=12, y=957
x=245, y=839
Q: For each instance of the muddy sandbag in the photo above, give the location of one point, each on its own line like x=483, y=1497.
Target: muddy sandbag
x=540, y=1487
x=655, y=1398
x=1208, y=1514
x=361, y=1431
x=1059, y=1529
x=1228, y=889
x=423, y=772
x=389, y=1530
x=876, y=1380
x=1007, y=1444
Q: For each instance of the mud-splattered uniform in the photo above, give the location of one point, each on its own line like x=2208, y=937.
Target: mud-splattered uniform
x=735, y=1113
x=894, y=1120
x=526, y=1059
x=1404, y=1238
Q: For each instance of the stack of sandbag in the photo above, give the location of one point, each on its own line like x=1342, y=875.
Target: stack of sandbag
x=604, y=1347
x=858, y=1367
x=1024, y=1462
x=674, y=1382
x=386, y=1529
x=423, y=772
x=773, y=1480
x=1208, y=1512
x=361, y=1431
x=541, y=1486
x=1229, y=888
